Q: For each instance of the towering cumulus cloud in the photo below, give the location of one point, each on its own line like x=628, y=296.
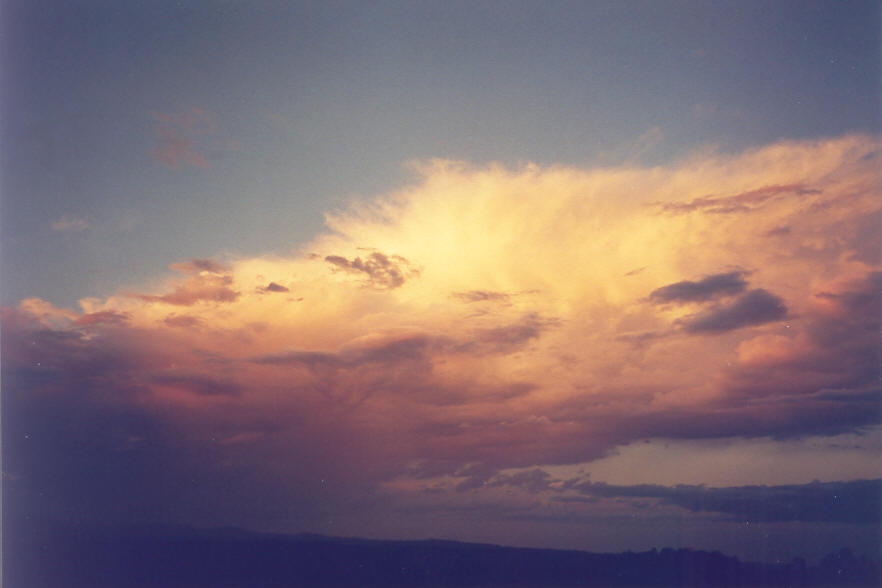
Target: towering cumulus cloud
x=479, y=321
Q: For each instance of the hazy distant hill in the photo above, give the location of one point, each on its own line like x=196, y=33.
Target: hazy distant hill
x=69, y=556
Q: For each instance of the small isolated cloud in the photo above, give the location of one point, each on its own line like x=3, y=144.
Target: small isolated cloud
x=177, y=136
x=756, y=307
x=273, y=287
x=382, y=271
x=713, y=286
x=70, y=224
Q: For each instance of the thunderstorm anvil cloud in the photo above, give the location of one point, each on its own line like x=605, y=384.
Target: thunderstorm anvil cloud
x=482, y=319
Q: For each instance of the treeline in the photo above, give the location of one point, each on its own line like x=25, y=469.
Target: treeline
x=52, y=556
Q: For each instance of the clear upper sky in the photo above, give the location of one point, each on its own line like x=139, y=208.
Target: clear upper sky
x=594, y=275
x=309, y=103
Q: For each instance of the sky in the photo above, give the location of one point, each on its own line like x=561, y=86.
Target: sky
x=588, y=275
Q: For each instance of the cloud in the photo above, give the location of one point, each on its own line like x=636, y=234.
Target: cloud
x=502, y=334
x=382, y=271
x=195, y=266
x=755, y=307
x=209, y=282
x=195, y=383
x=743, y=202
x=70, y=224
x=726, y=284
x=102, y=318
x=182, y=321
x=273, y=287
x=197, y=289
x=482, y=296
x=177, y=136
x=856, y=502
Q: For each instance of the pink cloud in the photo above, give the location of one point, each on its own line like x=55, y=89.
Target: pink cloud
x=177, y=137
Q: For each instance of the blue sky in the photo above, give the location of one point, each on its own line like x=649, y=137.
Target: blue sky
x=316, y=102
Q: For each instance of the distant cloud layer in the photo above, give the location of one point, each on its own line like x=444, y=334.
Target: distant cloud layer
x=857, y=502
x=467, y=332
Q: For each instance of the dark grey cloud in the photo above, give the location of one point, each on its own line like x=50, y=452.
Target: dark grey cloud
x=381, y=271
x=274, y=287
x=713, y=286
x=755, y=307
x=857, y=502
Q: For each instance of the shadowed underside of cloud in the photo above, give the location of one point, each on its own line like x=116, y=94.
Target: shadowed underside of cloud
x=752, y=308
x=726, y=284
x=243, y=406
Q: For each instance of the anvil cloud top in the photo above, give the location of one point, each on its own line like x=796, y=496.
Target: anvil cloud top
x=589, y=275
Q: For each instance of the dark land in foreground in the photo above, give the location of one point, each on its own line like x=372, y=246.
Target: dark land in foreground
x=75, y=556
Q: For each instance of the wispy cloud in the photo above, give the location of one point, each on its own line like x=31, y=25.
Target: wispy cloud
x=177, y=136
x=70, y=224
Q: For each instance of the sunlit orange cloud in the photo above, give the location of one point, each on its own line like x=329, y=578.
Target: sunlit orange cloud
x=494, y=318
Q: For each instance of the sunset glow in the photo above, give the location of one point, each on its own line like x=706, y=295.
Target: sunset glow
x=624, y=348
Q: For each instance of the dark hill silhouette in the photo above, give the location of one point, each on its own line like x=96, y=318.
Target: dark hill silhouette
x=77, y=556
